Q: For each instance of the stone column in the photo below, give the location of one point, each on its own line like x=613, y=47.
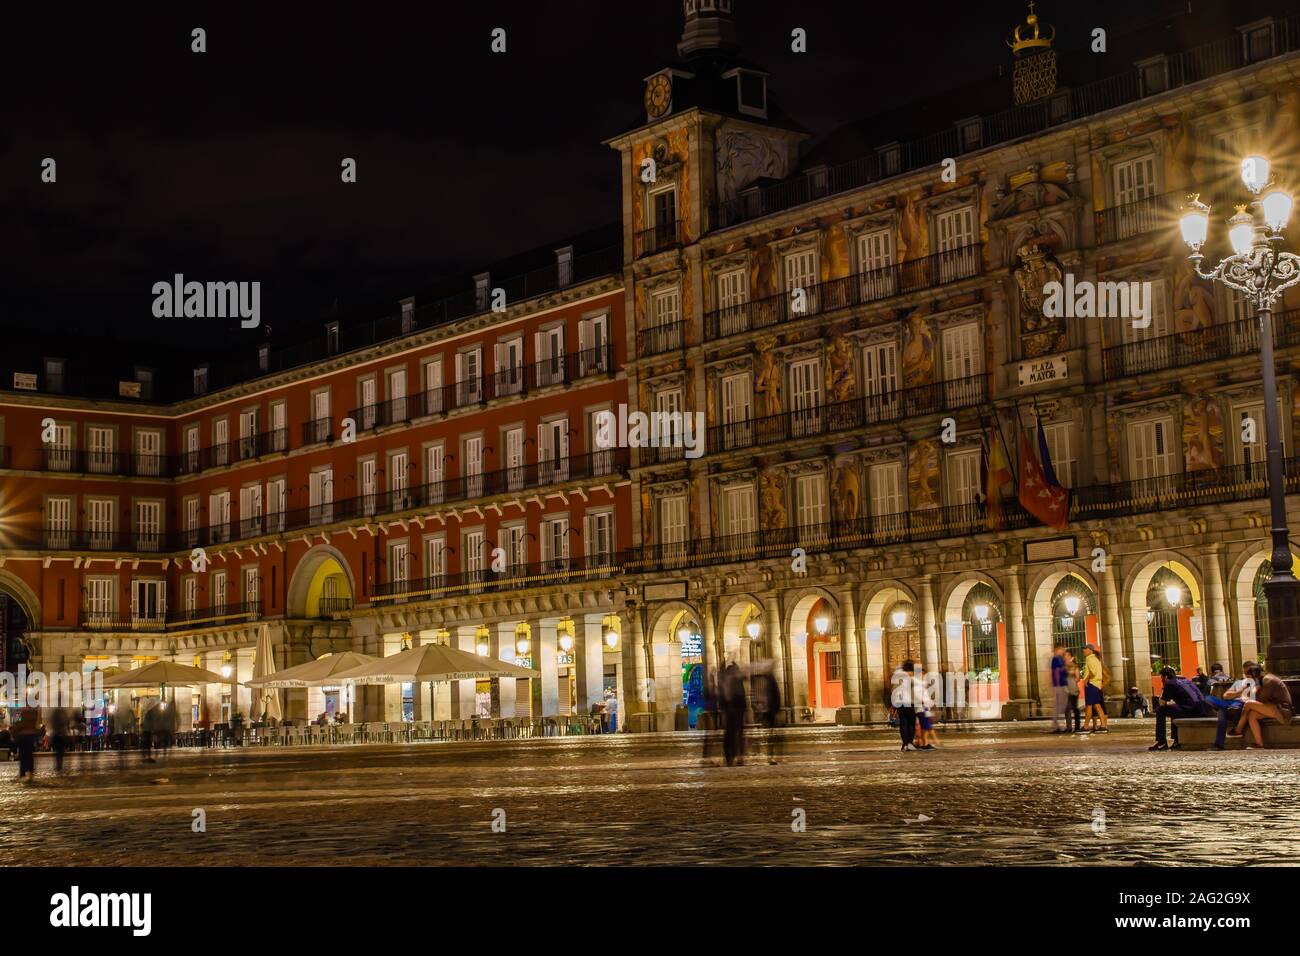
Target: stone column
x=929, y=625
x=545, y=651
x=1020, y=660
x=639, y=696
x=853, y=710
x=502, y=643
x=366, y=639
x=1217, y=644
x=1117, y=640
x=712, y=652
x=774, y=640
x=422, y=697
x=589, y=661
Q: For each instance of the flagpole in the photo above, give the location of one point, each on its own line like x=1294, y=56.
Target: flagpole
x=997, y=420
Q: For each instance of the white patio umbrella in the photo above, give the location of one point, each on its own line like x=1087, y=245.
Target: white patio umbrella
x=431, y=663
x=266, y=699
x=317, y=673
x=160, y=673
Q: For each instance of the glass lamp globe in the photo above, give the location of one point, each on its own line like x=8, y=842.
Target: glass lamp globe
x=1072, y=604
x=1254, y=173
x=899, y=617
x=752, y=629
x=1195, y=223
x=566, y=643
x=483, y=648
x=1276, y=205
x=683, y=633
x=522, y=646
x=611, y=638
x=1173, y=594
x=822, y=623
x=226, y=670
x=1241, y=231
x=981, y=612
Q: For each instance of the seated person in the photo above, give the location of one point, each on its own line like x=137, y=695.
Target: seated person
x=1202, y=681
x=1228, y=707
x=1135, y=705
x=1218, y=676
x=1179, y=698
x=1272, y=701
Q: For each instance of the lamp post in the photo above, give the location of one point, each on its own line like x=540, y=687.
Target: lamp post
x=1260, y=270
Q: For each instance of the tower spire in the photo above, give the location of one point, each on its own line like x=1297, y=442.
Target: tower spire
x=709, y=28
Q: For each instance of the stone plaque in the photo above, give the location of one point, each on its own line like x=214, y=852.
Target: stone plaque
x=1053, y=368
x=1051, y=549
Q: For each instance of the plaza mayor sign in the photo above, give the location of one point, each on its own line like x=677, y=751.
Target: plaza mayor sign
x=1040, y=371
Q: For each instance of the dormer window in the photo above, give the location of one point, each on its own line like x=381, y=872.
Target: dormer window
x=818, y=178
x=1257, y=40
x=971, y=133
x=144, y=377
x=481, y=283
x=564, y=266
x=264, y=358
x=408, y=315
x=890, y=159
x=331, y=338
x=751, y=92
x=54, y=375
x=200, y=380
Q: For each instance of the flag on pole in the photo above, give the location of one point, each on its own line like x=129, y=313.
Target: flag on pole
x=1046, y=501
x=997, y=472
x=1044, y=455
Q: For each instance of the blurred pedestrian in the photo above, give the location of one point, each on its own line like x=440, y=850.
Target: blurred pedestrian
x=25, y=727
x=150, y=730
x=58, y=733
x=1060, y=695
x=767, y=706
x=1072, y=693
x=1179, y=697
x=904, y=697
x=712, y=707
x=732, y=692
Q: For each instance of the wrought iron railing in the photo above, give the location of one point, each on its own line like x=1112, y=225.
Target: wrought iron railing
x=846, y=292
x=563, y=570
x=1179, y=349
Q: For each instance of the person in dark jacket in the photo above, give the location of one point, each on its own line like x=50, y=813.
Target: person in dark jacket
x=26, y=729
x=1180, y=697
x=1060, y=678
x=732, y=691
x=59, y=730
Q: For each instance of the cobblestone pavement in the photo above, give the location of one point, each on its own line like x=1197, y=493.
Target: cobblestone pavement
x=994, y=794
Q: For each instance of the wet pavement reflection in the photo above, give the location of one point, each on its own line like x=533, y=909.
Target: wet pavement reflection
x=1003, y=794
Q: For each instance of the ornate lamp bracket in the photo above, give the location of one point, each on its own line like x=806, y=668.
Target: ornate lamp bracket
x=1263, y=274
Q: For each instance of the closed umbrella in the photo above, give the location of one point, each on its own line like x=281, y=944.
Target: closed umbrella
x=266, y=699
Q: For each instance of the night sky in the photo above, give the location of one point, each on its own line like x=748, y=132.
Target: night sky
x=225, y=165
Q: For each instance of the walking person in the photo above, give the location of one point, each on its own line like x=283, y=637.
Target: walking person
x=25, y=729
x=1072, y=694
x=733, y=706
x=1094, y=693
x=1180, y=697
x=149, y=730
x=1060, y=697
x=58, y=732
x=767, y=697
x=712, y=707
x=904, y=698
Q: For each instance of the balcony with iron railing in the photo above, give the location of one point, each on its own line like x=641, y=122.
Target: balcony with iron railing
x=317, y=430
x=1214, y=342
x=1216, y=58
x=659, y=339
x=658, y=238
x=329, y=607
x=116, y=463
x=861, y=288
x=560, y=370
x=247, y=448
x=553, y=571
x=1203, y=488
x=159, y=620
x=821, y=420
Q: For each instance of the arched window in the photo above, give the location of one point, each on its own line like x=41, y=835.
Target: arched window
x=1261, y=606
x=1162, y=617
x=1072, y=604
x=980, y=616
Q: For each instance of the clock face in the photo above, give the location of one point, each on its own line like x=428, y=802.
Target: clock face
x=658, y=95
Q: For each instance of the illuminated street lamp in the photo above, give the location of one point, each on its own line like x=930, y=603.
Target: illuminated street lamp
x=753, y=629
x=566, y=642
x=1261, y=271
x=822, y=624
x=1173, y=594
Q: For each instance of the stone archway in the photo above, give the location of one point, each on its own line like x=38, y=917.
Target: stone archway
x=1171, y=629
x=813, y=628
x=23, y=618
x=674, y=649
x=1065, y=608
x=738, y=618
x=891, y=623
x=973, y=630
x=323, y=572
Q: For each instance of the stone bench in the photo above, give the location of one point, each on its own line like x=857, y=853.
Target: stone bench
x=1197, y=733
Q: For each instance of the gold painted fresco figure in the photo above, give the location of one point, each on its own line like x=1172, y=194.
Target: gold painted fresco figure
x=767, y=379
x=846, y=491
x=840, y=377
x=772, y=495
